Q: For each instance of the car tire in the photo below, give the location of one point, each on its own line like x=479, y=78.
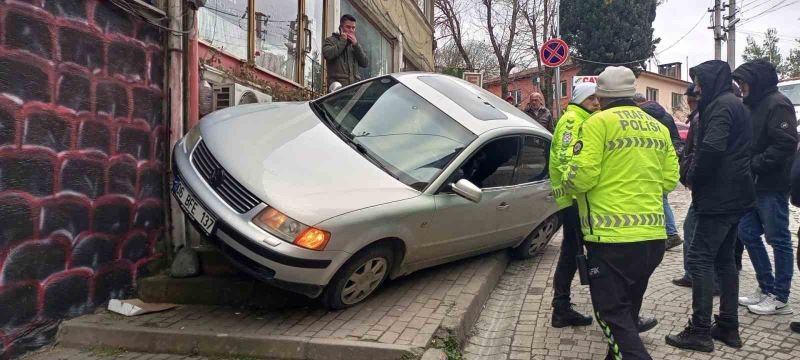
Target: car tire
x=373, y=263
x=535, y=242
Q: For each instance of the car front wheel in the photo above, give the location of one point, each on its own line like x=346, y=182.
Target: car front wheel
x=537, y=239
x=358, y=278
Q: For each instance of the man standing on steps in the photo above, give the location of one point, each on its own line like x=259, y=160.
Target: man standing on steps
x=622, y=164
x=722, y=191
x=582, y=105
x=774, y=145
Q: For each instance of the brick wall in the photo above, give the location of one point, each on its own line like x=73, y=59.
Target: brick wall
x=82, y=145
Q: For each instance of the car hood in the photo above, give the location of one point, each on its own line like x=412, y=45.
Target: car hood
x=287, y=157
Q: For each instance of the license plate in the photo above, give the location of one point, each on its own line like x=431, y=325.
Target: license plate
x=192, y=208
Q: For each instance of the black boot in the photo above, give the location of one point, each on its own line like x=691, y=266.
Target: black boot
x=692, y=338
x=726, y=334
x=645, y=324
x=565, y=315
x=795, y=326
x=682, y=281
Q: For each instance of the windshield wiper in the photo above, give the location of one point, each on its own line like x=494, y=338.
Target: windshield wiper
x=364, y=152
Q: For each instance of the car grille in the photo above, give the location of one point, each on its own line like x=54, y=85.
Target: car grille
x=230, y=190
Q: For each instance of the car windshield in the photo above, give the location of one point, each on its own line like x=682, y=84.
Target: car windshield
x=398, y=130
x=792, y=92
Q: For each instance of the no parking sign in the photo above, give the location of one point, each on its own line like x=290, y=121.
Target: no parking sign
x=554, y=52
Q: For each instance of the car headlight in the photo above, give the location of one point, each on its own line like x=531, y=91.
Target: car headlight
x=291, y=230
x=191, y=138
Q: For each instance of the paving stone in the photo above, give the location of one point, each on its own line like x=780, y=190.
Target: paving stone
x=519, y=309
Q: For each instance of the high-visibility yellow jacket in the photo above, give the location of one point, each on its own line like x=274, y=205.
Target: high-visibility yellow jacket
x=622, y=164
x=564, y=137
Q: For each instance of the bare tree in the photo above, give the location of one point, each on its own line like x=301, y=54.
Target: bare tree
x=500, y=19
x=448, y=57
x=539, y=17
x=449, y=22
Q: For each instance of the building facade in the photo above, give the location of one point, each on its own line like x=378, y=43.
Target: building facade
x=666, y=87
x=94, y=94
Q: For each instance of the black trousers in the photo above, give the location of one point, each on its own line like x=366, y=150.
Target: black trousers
x=713, y=252
x=566, y=267
x=619, y=273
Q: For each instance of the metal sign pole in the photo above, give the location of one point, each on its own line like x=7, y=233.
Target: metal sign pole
x=557, y=102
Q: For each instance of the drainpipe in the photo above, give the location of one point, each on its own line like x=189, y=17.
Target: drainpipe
x=175, y=105
x=193, y=74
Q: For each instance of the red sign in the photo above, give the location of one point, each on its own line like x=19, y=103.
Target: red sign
x=554, y=52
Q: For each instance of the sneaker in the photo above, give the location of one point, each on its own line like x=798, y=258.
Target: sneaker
x=770, y=306
x=682, y=281
x=567, y=316
x=795, y=326
x=756, y=297
x=692, y=338
x=673, y=241
x=728, y=335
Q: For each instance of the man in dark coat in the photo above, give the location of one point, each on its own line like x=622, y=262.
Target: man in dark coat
x=344, y=54
x=774, y=144
x=722, y=191
x=658, y=112
x=795, y=199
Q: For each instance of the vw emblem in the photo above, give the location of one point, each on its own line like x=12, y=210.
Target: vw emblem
x=216, y=177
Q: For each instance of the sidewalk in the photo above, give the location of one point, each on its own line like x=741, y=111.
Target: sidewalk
x=516, y=321
x=396, y=323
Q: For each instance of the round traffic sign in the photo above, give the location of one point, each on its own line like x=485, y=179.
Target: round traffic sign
x=554, y=52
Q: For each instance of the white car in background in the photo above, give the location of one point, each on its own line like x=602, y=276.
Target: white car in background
x=331, y=197
x=791, y=89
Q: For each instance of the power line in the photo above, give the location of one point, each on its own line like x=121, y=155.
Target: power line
x=768, y=11
x=684, y=35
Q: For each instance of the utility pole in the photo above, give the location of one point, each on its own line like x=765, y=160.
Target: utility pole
x=731, y=30
x=717, y=26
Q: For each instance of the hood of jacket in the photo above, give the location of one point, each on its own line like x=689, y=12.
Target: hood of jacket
x=653, y=109
x=714, y=77
x=760, y=76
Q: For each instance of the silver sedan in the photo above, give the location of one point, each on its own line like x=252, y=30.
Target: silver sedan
x=329, y=198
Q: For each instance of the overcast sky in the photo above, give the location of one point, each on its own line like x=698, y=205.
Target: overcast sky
x=676, y=17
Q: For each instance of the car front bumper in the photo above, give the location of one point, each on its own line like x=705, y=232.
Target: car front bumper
x=252, y=249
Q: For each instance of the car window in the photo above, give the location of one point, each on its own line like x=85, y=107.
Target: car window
x=533, y=160
x=792, y=92
x=401, y=132
x=491, y=166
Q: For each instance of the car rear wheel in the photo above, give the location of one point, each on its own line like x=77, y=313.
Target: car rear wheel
x=358, y=278
x=537, y=239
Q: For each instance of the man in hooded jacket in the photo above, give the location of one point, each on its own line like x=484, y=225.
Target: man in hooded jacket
x=722, y=191
x=774, y=145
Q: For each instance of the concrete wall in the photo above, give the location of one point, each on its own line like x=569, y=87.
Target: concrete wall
x=82, y=148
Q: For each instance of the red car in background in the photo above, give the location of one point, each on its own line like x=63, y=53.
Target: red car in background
x=683, y=129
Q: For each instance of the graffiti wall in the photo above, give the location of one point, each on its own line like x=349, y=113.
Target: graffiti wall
x=82, y=145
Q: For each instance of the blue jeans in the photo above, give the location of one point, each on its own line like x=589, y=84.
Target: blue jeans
x=770, y=218
x=669, y=217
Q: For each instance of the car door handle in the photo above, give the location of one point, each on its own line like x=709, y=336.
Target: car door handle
x=503, y=206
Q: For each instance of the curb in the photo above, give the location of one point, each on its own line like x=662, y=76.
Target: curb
x=462, y=317
x=154, y=340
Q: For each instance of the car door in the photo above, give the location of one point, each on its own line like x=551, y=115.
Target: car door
x=461, y=226
x=532, y=201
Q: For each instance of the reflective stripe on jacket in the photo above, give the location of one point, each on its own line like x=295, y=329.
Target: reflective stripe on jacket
x=622, y=164
x=564, y=137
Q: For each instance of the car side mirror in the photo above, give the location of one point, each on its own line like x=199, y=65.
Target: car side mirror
x=334, y=86
x=467, y=190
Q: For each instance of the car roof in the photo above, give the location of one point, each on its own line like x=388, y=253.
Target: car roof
x=444, y=101
x=789, y=82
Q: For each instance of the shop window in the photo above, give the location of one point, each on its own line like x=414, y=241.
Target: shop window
x=223, y=24
x=314, y=36
x=377, y=47
x=277, y=33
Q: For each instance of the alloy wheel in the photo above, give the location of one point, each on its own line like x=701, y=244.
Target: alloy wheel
x=541, y=234
x=364, y=280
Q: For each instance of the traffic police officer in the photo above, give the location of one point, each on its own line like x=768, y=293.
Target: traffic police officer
x=622, y=164
x=582, y=105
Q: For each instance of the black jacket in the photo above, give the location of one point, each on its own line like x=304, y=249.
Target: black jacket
x=795, y=179
x=774, y=126
x=719, y=174
x=658, y=112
